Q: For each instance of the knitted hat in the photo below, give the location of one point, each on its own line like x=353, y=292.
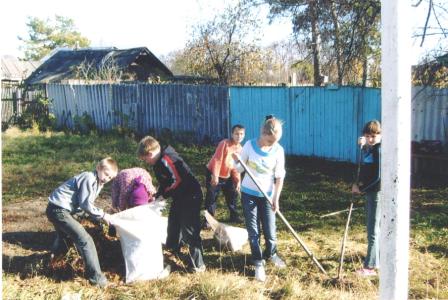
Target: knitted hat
x=139, y=194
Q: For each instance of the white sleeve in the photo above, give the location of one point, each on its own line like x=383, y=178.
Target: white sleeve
x=279, y=171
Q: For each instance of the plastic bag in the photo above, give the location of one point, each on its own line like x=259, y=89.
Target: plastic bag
x=141, y=230
x=230, y=237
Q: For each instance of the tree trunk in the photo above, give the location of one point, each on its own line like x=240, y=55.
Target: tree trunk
x=337, y=41
x=315, y=43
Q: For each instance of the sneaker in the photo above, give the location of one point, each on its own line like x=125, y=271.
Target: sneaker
x=277, y=261
x=165, y=273
x=260, y=274
x=201, y=269
x=102, y=282
x=365, y=272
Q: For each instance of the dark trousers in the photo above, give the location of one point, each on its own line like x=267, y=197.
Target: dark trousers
x=67, y=227
x=184, y=225
x=230, y=194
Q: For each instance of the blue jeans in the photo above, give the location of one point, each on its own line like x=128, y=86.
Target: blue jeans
x=67, y=227
x=373, y=211
x=257, y=210
x=230, y=194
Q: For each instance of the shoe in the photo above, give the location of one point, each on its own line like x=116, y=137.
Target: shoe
x=260, y=274
x=277, y=261
x=165, y=273
x=365, y=272
x=201, y=269
x=102, y=282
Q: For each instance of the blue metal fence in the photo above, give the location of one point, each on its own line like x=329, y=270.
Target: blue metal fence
x=201, y=111
x=321, y=122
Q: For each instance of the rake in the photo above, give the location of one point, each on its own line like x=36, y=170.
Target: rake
x=344, y=239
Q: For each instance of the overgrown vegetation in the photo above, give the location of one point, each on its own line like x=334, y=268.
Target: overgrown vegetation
x=37, y=115
x=35, y=163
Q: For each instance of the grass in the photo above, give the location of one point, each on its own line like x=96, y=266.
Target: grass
x=34, y=164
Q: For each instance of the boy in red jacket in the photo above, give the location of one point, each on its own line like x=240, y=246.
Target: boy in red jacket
x=221, y=174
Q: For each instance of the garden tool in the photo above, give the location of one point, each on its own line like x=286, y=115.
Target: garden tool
x=344, y=239
x=310, y=254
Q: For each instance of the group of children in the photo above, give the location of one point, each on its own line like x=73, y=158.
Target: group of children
x=264, y=157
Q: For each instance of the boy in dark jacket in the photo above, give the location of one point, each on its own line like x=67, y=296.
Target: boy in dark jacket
x=176, y=180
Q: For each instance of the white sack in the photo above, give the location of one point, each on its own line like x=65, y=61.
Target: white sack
x=230, y=237
x=141, y=230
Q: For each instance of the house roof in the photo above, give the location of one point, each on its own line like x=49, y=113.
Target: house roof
x=16, y=70
x=63, y=64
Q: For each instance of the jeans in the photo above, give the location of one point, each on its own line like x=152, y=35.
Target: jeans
x=67, y=227
x=256, y=210
x=373, y=211
x=184, y=225
x=230, y=194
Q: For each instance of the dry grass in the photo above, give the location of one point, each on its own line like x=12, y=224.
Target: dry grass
x=34, y=164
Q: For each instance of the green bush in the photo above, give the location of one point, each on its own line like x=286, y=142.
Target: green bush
x=37, y=115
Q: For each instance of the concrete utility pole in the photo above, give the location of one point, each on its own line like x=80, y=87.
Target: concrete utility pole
x=396, y=150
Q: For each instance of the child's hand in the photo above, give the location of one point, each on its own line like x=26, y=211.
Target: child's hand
x=238, y=187
x=214, y=180
x=236, y=157
x=355, y=189
x=362, y=141
x=106, y=218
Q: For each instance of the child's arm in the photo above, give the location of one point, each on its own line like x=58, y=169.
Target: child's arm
x=173, y=178
x=115, y=190
x=216, y=162
x=87, y=195
x=279, y=174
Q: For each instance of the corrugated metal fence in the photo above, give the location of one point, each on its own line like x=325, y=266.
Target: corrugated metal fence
x=319, y=121
x=430, y=114
x=199, y=111
x=325, y=122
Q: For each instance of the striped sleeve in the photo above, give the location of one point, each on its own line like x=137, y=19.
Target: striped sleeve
x=176, y=179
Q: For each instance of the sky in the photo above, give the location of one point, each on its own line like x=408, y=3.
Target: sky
x=161, y=25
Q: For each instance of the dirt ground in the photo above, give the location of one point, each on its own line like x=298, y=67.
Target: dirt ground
x=27, y=237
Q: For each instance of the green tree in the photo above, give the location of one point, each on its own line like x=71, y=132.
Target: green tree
x=342, y=36
x=46, y=35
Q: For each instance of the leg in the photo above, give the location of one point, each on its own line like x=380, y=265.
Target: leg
x=190, y=228
x=231, y=196
x=250, y=210
x=267, y=217
x=64, y=222
x=173, y=231
x=373, y=210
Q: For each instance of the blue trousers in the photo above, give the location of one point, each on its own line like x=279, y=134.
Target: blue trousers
x=67, y=227
x=373, y=216
x=258, y=211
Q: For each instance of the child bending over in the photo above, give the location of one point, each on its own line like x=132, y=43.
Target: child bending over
x=78, y=194
x=177, y=181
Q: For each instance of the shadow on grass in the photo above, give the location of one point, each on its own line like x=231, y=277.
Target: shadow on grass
x=35, y=241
